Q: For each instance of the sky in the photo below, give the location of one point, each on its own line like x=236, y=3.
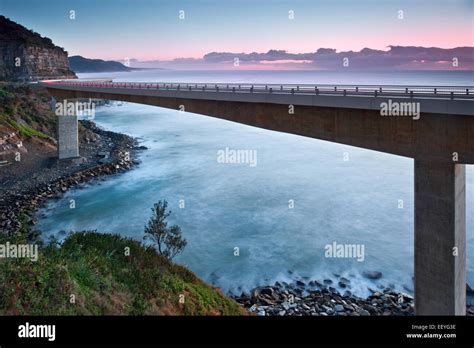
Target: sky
x=153, y=29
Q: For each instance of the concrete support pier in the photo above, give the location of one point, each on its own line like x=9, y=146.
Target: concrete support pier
x=350, y=116
x=440, y=238
x=68, y=138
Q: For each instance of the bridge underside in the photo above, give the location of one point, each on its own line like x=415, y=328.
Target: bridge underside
x=433, y=137
x=439, y=143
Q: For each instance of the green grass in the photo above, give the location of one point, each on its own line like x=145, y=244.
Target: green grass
x=95, y=269
x=25, y=130
x=26, y=110
x=3, y=91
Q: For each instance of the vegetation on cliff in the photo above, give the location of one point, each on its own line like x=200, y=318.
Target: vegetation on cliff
x=100, y=274
x=25, y=55
x=10, y=30
x=26, y=110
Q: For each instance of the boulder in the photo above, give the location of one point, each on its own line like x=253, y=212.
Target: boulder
x=372, y=274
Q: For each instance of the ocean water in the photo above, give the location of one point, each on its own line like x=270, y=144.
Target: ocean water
x=426, y=78
x=340, y=193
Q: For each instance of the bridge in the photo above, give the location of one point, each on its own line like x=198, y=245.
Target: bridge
x=434, y=125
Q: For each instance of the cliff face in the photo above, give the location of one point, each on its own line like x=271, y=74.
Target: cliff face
x=26, y=56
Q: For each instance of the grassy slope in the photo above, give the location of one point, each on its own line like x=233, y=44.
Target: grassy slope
x=26, y=110
x=91, y=266
x=94, y=268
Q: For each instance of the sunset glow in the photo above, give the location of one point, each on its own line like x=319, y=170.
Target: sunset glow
x=154, y=30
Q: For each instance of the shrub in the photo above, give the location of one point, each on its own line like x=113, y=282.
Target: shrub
x=169, y=240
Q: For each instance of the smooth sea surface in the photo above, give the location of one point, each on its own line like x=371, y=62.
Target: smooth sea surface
x=341, y=193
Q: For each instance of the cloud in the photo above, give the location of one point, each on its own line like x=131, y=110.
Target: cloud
x=395, y=57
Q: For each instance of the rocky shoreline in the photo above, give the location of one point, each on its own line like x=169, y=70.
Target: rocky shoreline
x=103, y=153
x=315, y=298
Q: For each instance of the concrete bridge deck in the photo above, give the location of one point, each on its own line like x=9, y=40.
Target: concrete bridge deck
x=442, y=99
x=440, y=140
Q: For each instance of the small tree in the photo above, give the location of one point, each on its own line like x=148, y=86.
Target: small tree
x=168, y=240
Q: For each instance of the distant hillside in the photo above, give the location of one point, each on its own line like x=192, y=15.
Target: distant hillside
x=80, y=64
x=26, y=55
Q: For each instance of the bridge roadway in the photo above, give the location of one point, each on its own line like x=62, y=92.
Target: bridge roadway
x=440, y=140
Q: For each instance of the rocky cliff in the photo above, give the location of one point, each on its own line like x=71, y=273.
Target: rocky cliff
x=27, y=56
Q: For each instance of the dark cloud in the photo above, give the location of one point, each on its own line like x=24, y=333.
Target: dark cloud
x=394, y=57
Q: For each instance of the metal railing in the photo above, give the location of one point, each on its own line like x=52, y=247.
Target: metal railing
x=410, y=91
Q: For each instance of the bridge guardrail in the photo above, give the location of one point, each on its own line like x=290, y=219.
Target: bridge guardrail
x=451, y=92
